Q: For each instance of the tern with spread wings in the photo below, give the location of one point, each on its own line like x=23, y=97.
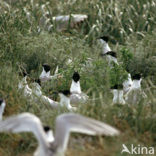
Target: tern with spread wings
x=65, y=124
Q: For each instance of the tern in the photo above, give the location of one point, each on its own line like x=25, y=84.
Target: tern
x=45, y=75
x=111, y=56
x=64, y=97
x=77, y=96
x=127, y=84
x=65, y=100
x=135, y=93
x=23, y=85
x=2, y=107
x=49, y=133
x=37, y=94
x=62, y=22
x=64, y=125
x=117, y=91
x=104, y=43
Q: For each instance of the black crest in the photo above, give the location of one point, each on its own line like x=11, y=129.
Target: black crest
x=65, y=92
x=46, y=67
x=117, y=86
x=112, y=53
x=1, y=101
x=136, y=77
x=105, y=38
x=38, y=81
x=76, y=76
x=46, y=128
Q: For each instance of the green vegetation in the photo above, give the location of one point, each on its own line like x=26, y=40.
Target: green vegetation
x=131, y=27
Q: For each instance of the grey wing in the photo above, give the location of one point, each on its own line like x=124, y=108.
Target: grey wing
x=63, y=21
x=25, y=122
x=52, y=103
x=67, y=123
x=79, y=17
x=78, y=98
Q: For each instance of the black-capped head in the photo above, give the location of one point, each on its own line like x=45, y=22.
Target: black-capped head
x=46, y=67
x=1, y=101
x=105, y=38
x=117, y=86
x=38, y=81
x=76, y=76
x=112, y=53
x=136, y=77
x=65, y=92
x=46, y=128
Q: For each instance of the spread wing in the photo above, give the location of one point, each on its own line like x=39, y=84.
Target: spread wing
x=25, y=122
x=67, y=123
x=63, y=21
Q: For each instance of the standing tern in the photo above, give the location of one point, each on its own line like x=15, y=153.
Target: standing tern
x=104, y=43
x=135, y=93
x=117, y=91
x=127, y=84
x=77, y=96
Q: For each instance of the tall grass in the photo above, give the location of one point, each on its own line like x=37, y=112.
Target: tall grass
x=26, y=42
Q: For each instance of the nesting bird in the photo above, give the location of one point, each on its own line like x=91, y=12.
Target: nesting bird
x=37, y=95
x=127, y=84
x=64, y=97
x=65, y=124
x=65, y=100
x=23, y=85
x=111, y=56
x=117, y=91
x=136, y=81
x=77, y=96
x=135, y=93
x=2, y=107
x=45, y=75
x=36, y=87
x=104, y=43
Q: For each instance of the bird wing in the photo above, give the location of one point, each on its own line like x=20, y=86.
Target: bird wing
x=25, y=122
x=79, y=17
x=70, y=122
x=52, y=103
x=63, y=21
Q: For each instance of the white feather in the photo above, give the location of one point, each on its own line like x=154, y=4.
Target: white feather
x=45, y=76
x=62, y=22
x=105, y=46
x=65, y=124
x=118, y=96
x=23, y=85
x=77, y=96
x=2, y=108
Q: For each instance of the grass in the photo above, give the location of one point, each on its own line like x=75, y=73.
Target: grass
x=131, y=27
